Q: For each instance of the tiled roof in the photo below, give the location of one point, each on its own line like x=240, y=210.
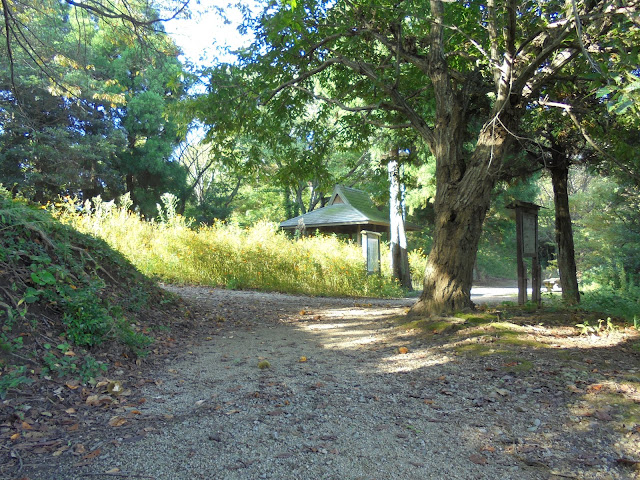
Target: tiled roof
x=347, y=206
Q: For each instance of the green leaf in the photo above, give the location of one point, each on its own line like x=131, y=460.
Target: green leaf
x=43, y=278
x=609, y=89
x=622, y=107
x=632, y=87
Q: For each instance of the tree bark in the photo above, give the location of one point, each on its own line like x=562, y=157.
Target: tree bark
x=397, y=235
x=564, y=232
x=460, y=210
x=463, y=182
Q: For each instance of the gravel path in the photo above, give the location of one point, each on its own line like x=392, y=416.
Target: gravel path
x=337, y=400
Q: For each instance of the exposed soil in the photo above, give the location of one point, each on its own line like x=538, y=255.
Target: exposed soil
x=289, y=387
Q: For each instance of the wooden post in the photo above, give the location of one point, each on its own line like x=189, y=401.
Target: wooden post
x=527, y=246
x=536, y=270
x=522, y=271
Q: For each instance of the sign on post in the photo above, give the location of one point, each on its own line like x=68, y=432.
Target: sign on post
x=371, y=250
x=527, y=246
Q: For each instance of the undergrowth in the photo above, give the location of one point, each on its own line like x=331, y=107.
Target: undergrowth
x=613, y=291
x=223, y=255
x=63, y=296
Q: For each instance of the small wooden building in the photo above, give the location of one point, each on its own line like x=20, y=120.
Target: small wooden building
x=349, y=211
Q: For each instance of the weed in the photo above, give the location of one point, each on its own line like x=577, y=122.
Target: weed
x=85, y=369
x=518, y=366
x=87, y=321
x=12, y=378
x=601, y=329
x=91, y=368
x=10, y=344
x=136, y=341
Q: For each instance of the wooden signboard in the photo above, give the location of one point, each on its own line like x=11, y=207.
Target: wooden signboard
x=529, y=234
x=527, y=246
x=371, y=250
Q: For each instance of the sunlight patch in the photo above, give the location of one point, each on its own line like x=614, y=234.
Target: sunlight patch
x=411, y=361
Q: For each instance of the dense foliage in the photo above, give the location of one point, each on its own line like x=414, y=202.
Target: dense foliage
x=90, y=105
x=460, y=76
x=85, y=105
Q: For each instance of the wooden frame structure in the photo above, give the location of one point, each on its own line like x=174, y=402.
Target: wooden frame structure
x=527, y=247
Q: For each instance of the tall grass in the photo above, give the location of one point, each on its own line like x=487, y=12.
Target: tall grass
x=260, y=257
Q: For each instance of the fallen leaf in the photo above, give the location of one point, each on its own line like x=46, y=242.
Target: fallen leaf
x=403, y=350
x=46, y=414
x=603, y=415
x=112, y=471
x=26, y=426
x=70, y=411
x=92, y=455
x=114, y=388
x=572, y=388
x=79, y=449
x=69, y=353
x=72, y=384
x=73, y=427
x=117, y=421
x=60, y=451
x=478, y=459
x=303, y=359
x=14, y=437
x=284, y=455
x=96, y=400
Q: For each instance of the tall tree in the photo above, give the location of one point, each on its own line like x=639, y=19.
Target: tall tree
x=85, y=101
x=148, y=78
x=397, y=235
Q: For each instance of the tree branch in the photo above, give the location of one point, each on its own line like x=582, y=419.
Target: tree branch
x=98, y=8
x=308, y=74
x=378, y=124
x=339, y=104
x=7, y=27
x=574, y=118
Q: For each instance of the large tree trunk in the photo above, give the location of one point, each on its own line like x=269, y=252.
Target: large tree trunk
x=564, y=233
x=397, y=236
x=460, y=209
x=463, y=183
